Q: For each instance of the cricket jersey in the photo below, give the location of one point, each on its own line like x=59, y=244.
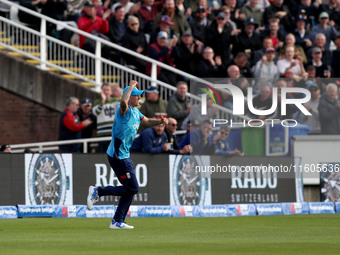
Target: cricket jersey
x=124, y=130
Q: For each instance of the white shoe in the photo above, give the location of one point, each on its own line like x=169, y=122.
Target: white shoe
x=120, y=225
x=92, y=197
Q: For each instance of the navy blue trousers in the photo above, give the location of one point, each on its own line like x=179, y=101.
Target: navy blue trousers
x=124, y=170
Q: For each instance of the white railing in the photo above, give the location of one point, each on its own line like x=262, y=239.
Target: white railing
x=51, y=53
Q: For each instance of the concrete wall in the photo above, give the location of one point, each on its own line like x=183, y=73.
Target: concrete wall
x=44, y=87
x=31, y=101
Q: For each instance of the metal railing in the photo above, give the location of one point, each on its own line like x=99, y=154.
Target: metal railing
x=53, y=54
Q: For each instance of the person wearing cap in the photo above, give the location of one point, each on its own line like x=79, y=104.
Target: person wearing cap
x=165, y=25
x=265, y=69
x=199, y=22
x=89, y=22
x=178, y=18
x=165, y=53
x=127, y=121
x=302, y=36
x=248, y=41
x=332, y=8
x=85, y=112
x=324, y=27
x=5, y=148
x=70, y=126
x=153, y=104
x=134, y=39
x=321, y=70
x=320, y=42
x=104, y=109
x=329, y=111
x=190, y=52
x=251, y=10
x=219, y=36
x=312, y=106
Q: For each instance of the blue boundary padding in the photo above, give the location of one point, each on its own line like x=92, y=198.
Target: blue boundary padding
x=107, y=211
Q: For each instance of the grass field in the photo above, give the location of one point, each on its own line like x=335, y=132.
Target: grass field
x=299, y=234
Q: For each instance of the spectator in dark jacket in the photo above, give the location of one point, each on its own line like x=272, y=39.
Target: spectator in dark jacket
x=151, y=140
x=210, y=66
x=179, y=103
x=199, y=23
x=329, y=111
x=70, y=125
x=134, y=40
x=117, y=25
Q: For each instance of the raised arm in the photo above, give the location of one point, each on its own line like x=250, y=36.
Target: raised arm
x=126, y=96
x=150, y=122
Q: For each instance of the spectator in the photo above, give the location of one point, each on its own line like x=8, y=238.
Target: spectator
x=153, y=104
x=290, y=41
x=74, y=8
x=291, y=60
x=190, y=53
x=210, y=67
x=117, y=92
x=151, y=140
x=95, y=25
x=178, y=18
x=164, y=25
x=262, y=101
x=5, y=148
x=171, y=139
x=329, y=111
x=183, y=8
x=324, y=28
x=219, y=37
x=226, y=9
x=312, y=106
x=33, y=5
x=302, y=36
x=241, y=60
x=309, y=10
x=266, y=43
x=148, y=12
x=220, y=145
x=70, y=125
x=101, y=9
x=134, y=40
x=85, y=112
x=321, y=70
x=165, y=54
x=320, y=41
x=54, y=9
x=199, y=138
x=117, y=25
x=236, y=79
x=333, y=9
x=275, y=34
x=192, y=126
x=234, y=12
x=336, y=58
x=105, y=109
x=199, y=23
x=251, y=10
x=265, y=69
x=179, y=103
x=195, y=113
x=278, y=8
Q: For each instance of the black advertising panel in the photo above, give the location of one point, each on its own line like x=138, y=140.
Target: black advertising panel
x=152, y=173
x=253, y=180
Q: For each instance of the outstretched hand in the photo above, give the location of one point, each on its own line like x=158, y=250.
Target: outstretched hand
x=165, y=121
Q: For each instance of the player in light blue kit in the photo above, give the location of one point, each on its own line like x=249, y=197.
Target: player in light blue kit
x=124, y=130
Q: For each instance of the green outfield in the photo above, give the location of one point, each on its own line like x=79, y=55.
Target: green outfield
x=299, y=234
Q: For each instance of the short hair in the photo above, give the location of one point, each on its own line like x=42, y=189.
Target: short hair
x=241, y=55
x=105, y=84
x=181, y=82
x=225, y=127
x=310, y=68
x=70, y=100
x=119, y=7
x=132, y=18
x=320, y=34
x=331, y=85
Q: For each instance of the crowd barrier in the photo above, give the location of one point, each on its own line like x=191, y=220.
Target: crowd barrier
x=107, y=211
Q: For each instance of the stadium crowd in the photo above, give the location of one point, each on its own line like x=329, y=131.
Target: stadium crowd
x=256, y=43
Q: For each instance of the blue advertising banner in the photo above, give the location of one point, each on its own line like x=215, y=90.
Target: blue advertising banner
x=36, y=210
x=337, y=207
x=70, y=211
x=295, y=208
x=101, y=211
x=269, y=209
x=242, y=210
x=214, y=211
x=8, y=212
x=154, y=211
x=321, y=207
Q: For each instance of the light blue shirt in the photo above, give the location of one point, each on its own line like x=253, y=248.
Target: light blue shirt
x=124, y=130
